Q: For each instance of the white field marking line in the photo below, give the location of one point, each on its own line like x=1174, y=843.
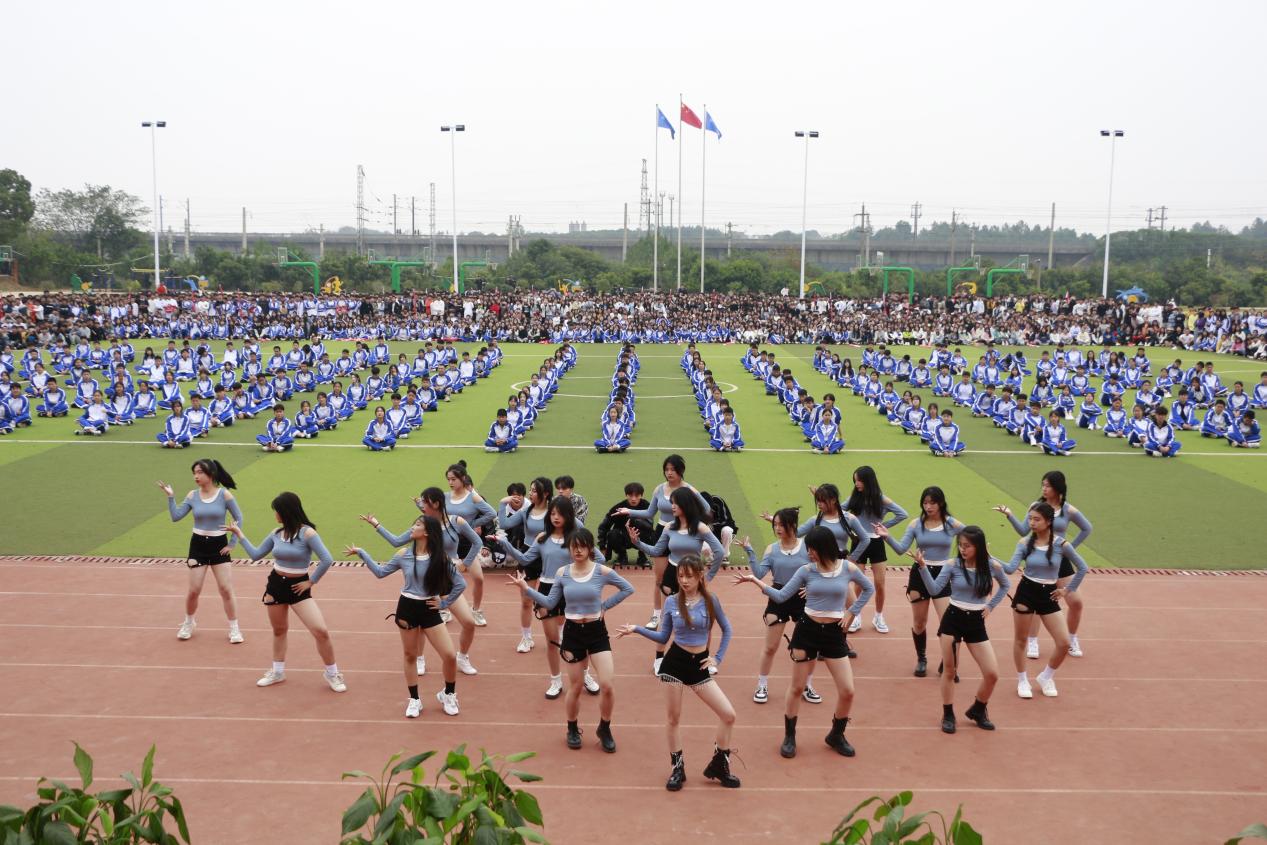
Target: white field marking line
x=1065, y=679
x=1230, y=453
x=659, y=726
x=733, y=389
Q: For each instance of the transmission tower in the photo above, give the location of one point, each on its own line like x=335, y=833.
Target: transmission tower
x=644, y=213
x=360, y=210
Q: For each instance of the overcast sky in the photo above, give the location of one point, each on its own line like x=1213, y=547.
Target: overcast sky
x=991, y=108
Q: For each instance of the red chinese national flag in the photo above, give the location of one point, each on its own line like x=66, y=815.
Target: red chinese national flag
x=690, y=118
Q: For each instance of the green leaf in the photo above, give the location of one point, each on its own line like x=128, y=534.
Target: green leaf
x=531, y=835
x=131, y=779
x=520, y=757
x=903, y=798
x=909, y=826
x=1254, y=831
x=355, y=817
x=112, y=796
x=388, y=817
x=442, y=804
x=83, y=762
x=147, y=767
x=178, y=813
x=459, y=761
x=526, y=777
x=858, y=831
x=485, y=836
x=929, y=838
x=412, y=762
x=58, y=833
x=963, y=834
x=526, y=804
x=356, y=773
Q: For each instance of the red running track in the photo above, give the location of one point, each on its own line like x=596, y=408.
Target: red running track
x=1157, y=736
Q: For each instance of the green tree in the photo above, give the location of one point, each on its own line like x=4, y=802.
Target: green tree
x=16, y=206
x=98, y=218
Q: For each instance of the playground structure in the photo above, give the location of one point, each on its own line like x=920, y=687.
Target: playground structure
x=910, y=280
x=394, y=265
x=8, y=263
x=1022, y=269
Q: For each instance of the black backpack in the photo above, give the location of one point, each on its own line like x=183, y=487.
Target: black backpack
x=722, y=517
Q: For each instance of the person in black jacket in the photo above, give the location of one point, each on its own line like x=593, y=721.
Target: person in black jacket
x=613, y=539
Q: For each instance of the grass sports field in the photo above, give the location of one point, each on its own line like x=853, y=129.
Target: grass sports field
x=96, y=496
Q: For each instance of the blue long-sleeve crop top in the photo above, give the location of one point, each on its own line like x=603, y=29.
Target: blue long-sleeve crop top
x=935, y=543
x=1066, y=516
x=697, y=633
x=208, y=516
x=869, y=519
x=663, y=507
x=584, y=596
x=1037, y=567
x=479, y=514
x=532, y=524
x=677, y=544
x=826, y=592
x=962, y=582
x=553, y=554
x=782, y=562
x=293, y=556
x=415, y=568
x=841, y=528
x=456, y=529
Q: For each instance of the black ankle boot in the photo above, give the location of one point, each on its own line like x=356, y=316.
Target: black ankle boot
x=948, y=718
x=921, y=650
x=788, y=748
x=978, y=714
x=836, y=739
x=677, y=777
x=604, y=734
x=574, y=736
x=718, y=769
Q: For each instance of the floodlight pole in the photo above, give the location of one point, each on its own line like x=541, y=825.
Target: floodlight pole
x=1108, y=223
x=453, y=176
x=154, y=126
x=804, y=200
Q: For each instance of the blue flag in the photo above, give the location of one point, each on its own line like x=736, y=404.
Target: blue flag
x=662, y=122
x=709, y=126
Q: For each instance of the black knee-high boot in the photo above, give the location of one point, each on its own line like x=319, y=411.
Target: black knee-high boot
x=921, y=653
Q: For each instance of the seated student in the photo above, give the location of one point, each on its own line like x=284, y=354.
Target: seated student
x=1238, y=400
x=1031, y=426
x=1088, y=412
x=169, y=392
x=1146, y=396
x=525, y=407
x=1211, y=381
x=613, y=435
x=204, y=387
x=1132, y=376
x=888, y=400
x=283, y=387
x=343, y=407
x=37, y=382
x=1055, y=441
x=1016, y=380
x=184, y=368
x=305, y=381
x=1042, y=392
x=375, y=385
x=501, y=435
x=121, y=408
x=942, y=382
x=1199, y=394
x=95, y=419
x=398, y=419
x=19, y=406
x=801, y=414
x=921, y=376
x=277, y=361
x=456, y=386
x=1246, y=434
x=306, y=422
x=176, y=433
x=324, y=414
x=983, y=405
x=872, y=390
x=1065, y=401
x=325, y=370
x=221, y=409
x=199, y=418
x=144, y=401
x=1080, y=383
x=54, y=404
x=963, y=394
x=295, y=356
x=261, y=394
x=279, y=432
x=1116, y=420
x=944, y=438
x=726, y=436
x=1161, y=441
x=913, y=421
x=358, y=394
x=904, y=369
x=1217, y=421
x=1001, y=413
x=84, y=389
x=1259, y=398
x=378, y=434
x=228, y=376
x=1137, y=427
x=466, y=370
x=442, y=386
x=826, y=437
x=6, y=419
x=899, y=410
x=1183, y=413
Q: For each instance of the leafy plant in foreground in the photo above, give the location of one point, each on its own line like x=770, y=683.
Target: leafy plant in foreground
x=894, y=828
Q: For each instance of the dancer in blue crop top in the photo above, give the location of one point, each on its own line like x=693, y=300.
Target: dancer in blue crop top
x=212, y=504
x=463, y=501
x=869, y=504
x=522, y=518
x=584, y=641
x=820, y=633
x=290, y=585
x=688, y=619
x=432, y=583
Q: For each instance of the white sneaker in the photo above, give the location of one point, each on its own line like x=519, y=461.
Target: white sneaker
x=1075, y=650
x=480, y=621
x=655, y=621
x=235, y=636
x=272, y=676
x=414, y=708
x=446, y=616
x=856, y=625
x=555, y=689
x=449, y=700
x=187, y=629
x=421, y=665
x=335, y=681
x=1023, y=689
x=1049, y=686
x=1031, y=648
x=655, y=665
x=879, y=624
x=591, y=685
x=811, y=695
x=761, y=696
x=525, y=645
x=464, y=665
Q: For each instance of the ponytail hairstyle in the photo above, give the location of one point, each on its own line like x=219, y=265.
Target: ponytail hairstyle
x=696, y=565
x=827, y=494
x=869, y=499
x=822, y=543
x=787, y=517
x=542, y=490
x=692, y=513
x=214, y=470
x=1056, y=481
x=458, y=470
x=939, y=499
x=1046, y=512
x=291, y=511
x=982, y=576
x=434, y=496
x=439, y=580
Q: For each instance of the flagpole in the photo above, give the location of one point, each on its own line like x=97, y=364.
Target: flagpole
x=703, y=169
x=655, y=211
x=679, y=193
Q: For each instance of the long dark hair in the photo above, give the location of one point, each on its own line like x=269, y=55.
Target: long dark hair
x=939, y=499
x=786, y=517
x=823, y=543
x=543, y=488
x=826, y=494
x=677, y=462
x=563, y=506
x=435, y=497
x=692, y=513
x=1046, y=512
x=438, y=581
x=459, y=470
x=981, y=576
x=696, y=564
x=869, y=499
x=291, y=511
x=215, y=471
x=1056, y=481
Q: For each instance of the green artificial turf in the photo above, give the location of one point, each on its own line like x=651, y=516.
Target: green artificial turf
x=97, y=496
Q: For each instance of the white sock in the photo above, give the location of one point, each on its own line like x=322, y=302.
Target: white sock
x=1032, y=640
x=332, y=669
x=556, y=679
x=763, y=680
x=461, y=656
x=1022, y=678
x=279, y=665
x=189, y=620
x=527, y=633
x=233, y=624
x=1047, y=674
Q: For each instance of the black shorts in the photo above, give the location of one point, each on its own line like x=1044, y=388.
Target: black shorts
x=668, y=581
x=877, y=551
x=681, y=667
x=544, y=588
x=964, y=625
x=915, y=584
x=819, y=641
x=205, y=551
x=1066, y=568
x=1035, y=598
x=278, y=589
x=581, y=639
x=789, y=611
x=415, y=613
